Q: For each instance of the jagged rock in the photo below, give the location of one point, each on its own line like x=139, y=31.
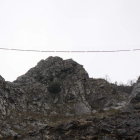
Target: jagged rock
x=1, y=82
x=105, y=95
x=135, y=96
x=83, y=107
x=37, y=80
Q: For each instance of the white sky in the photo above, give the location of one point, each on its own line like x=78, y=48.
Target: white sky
x=71, y=25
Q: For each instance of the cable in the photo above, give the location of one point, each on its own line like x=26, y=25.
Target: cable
x=70, y=51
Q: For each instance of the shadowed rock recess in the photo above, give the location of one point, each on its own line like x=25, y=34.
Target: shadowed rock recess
x=56, y=100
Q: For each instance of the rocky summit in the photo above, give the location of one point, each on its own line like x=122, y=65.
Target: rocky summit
x=56, y=100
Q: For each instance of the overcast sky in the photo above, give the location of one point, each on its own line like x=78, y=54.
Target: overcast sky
x=71, y=25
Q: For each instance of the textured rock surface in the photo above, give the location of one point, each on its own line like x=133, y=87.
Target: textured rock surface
x=121, y=126
x=71, y=76
x=84, y=108
x=105, y=95
x=135, y=96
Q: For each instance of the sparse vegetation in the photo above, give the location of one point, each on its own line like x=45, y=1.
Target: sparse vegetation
x=54, y=87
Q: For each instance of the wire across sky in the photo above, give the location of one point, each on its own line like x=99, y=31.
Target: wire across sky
x=26, y=50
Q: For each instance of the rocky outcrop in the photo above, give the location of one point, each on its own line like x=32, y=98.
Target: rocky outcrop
x=124, y=125
x=56, y=99
x=135, y=96
x=105, y=95
x=71, y=77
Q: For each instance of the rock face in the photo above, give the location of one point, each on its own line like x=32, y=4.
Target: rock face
x=119, y=126
x=58, y=91
x=135, y=96
x=71, y=77
x=105, y=95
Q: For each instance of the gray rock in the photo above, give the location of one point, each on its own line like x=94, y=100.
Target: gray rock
x=135, y=96
x=28, y=110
